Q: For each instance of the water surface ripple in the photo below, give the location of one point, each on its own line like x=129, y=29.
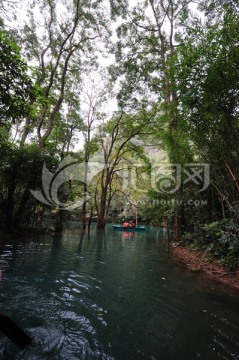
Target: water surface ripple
x=108, y=295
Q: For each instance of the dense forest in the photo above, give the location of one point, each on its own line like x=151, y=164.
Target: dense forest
x=112, y=108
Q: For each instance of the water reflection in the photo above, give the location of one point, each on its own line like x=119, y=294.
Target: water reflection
x=128, y=234
x=100, y=295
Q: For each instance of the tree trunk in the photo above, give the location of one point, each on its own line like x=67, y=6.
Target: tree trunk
x=21, y=211
x=91, y=213
x=58, y=220
x=85, y=186
x=19, y=215
x=101, y=220
x=10, y=203
x=84, y=215
x=85, y=189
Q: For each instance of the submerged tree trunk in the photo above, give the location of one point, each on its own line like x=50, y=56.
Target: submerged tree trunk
x=9, y=210
x=84, y=216
x=21, y=210
x=19, y=216
x=101, y=220
x=90, y=219
x=85, y=190
x=58, y=220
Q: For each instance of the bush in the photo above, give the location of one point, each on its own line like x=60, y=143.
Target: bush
x=219, y=239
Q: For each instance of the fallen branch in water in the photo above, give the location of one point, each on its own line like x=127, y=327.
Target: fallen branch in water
x=14, y=332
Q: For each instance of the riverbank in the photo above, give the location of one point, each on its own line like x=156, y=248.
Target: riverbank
x=198, y=261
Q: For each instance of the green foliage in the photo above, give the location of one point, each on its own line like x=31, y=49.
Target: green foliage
x=16, y=87
x=92, y=146
x=20, y=171
x=179, y=86
x=219, y=239
x=204, y=73
x=157, y=209
x=207, y=81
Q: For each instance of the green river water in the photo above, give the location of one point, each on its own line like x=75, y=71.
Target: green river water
x=110, y=295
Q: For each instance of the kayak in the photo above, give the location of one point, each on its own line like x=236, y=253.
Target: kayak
x=136, y=228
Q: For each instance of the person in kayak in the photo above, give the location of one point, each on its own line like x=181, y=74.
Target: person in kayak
x=131, y=224
x=125, y=224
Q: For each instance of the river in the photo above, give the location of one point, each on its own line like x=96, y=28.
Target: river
x=115, y=296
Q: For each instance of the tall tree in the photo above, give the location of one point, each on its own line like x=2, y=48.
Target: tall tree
x=93, y=97
x=145, y=43
x=62, y=40
x=145, y=48
x=207, y=75
x=116, y=142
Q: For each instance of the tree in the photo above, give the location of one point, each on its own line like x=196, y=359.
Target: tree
x=206, y=69
x=145, y=43
x=94, y=96
x=116, y=141
x=63, y=48
x=61, y=42
x=145, y=48
x=16, y=88
x=20, y=172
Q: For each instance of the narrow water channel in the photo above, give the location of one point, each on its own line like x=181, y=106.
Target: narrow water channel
x=110, y=295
